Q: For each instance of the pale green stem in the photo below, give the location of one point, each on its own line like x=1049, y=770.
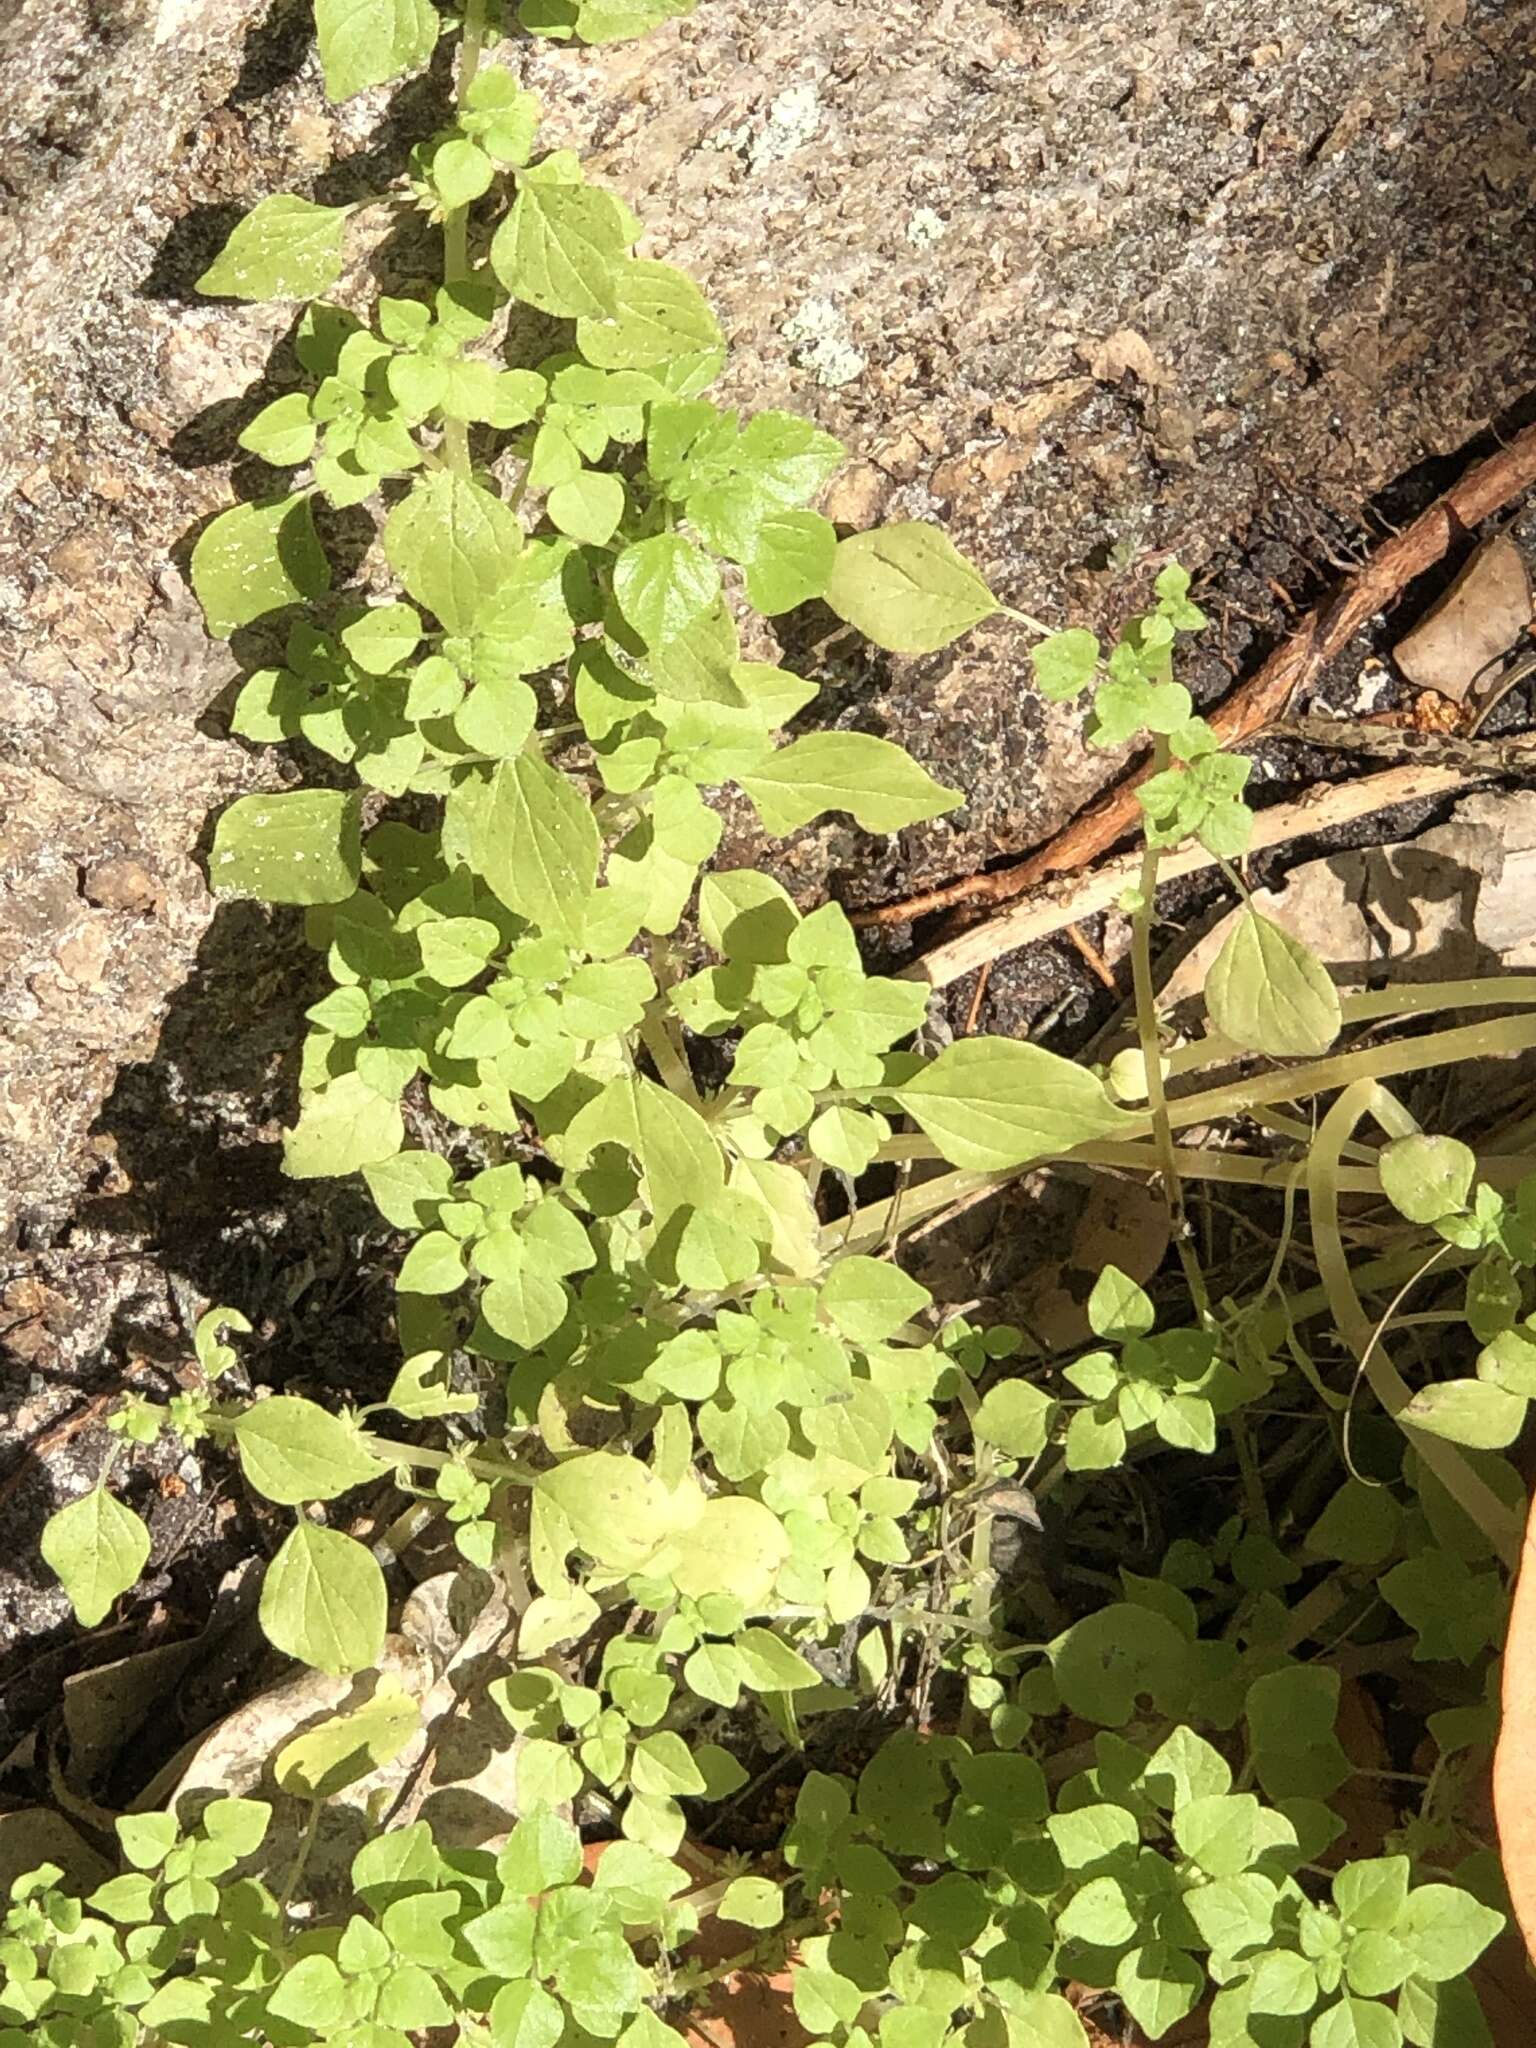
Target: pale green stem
x=670, y=1062
x=1471, y=1493
x=1150, y=1038
x=301, y=1859
x=1240, y=1098
x=394, y=1453
x=1033, y=625
x=1236, y=1168
x=1370, y=1007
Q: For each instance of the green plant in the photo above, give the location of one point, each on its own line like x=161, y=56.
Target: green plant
x=730, y=1417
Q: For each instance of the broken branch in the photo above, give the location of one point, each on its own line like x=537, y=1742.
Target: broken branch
x=1289, y=671
x=1055, y=905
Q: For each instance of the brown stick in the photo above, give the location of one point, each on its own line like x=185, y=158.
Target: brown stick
x=51, y=1439
x=1290, y=669
x=1055, y=906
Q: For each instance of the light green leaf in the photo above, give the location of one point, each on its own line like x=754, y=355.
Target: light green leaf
x=451, y=542
x=304, y=846
x=561, y=249
x=1107, y=1661
x=790, y=561
x=769, y=1664
x=747, y=916
x=1442, y=2015
x=292, y=1450
x=785, y=1197
x=599, y=21
x=460, y=173
x=537, y=843
x=1467, y=1412
x=1360, y=1525
x=548, y=1775
x=875, y=780
x=342, y=1127
x=1270, y=992
x=1041, y=2019
x=408, y=1186
x=497, y=717
x=854, y=1426
x=285, y=248
x=256, y=558
x=1094, y=1441
x=433, y=1265
x=663, y=585
x=1183, y=1767
x=1426, y=1178
x=1445, y=1930
x=1158, y=1984
x=658, y=314
x=368, y=42
x=1094, y=1834
x=1016, y=1417
x=1283, y=1985
x=1373, y=1892
x=282, y=433
x=421, y=1389
x=383, y=637
x=1098, y=1913
x=96, y=1548
x=1376, y=1964
x=742, y=1441
x=615, y=1506
x=906, y=587
x=323, y=1601
x=1356, y=2023
x=752, y=1902
x=525, y=1307
x=1064, y=663
x=736, y=1547
x=844, y=1138
x=129, y=1900
x=147, y=1838
x=1117, y=1307
x=542, y=1852
x=713, y=1671
x=677, y=1153
x=213, y=1354
x=868, y=1300
x=523, y=2015
x=588, y=508
x=455, y=949
x=311, y=1993
x=1234, y=1913
x=663, y=1766
x=1216, y=1830
x=345, y=1747
x=527, y=625
x=990, y=1103
x=553, y=1618
x=502, y=1938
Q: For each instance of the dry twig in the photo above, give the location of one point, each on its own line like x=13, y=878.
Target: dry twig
x=51, y=1439
x=1055, y=905
x=1287, y=674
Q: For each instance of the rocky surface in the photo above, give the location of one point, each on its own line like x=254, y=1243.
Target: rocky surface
x=1089, y=285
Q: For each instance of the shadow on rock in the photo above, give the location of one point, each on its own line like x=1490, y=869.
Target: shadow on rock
x=193, y=1210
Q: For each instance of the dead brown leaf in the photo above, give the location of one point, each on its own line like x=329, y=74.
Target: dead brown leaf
x=1480, y=617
